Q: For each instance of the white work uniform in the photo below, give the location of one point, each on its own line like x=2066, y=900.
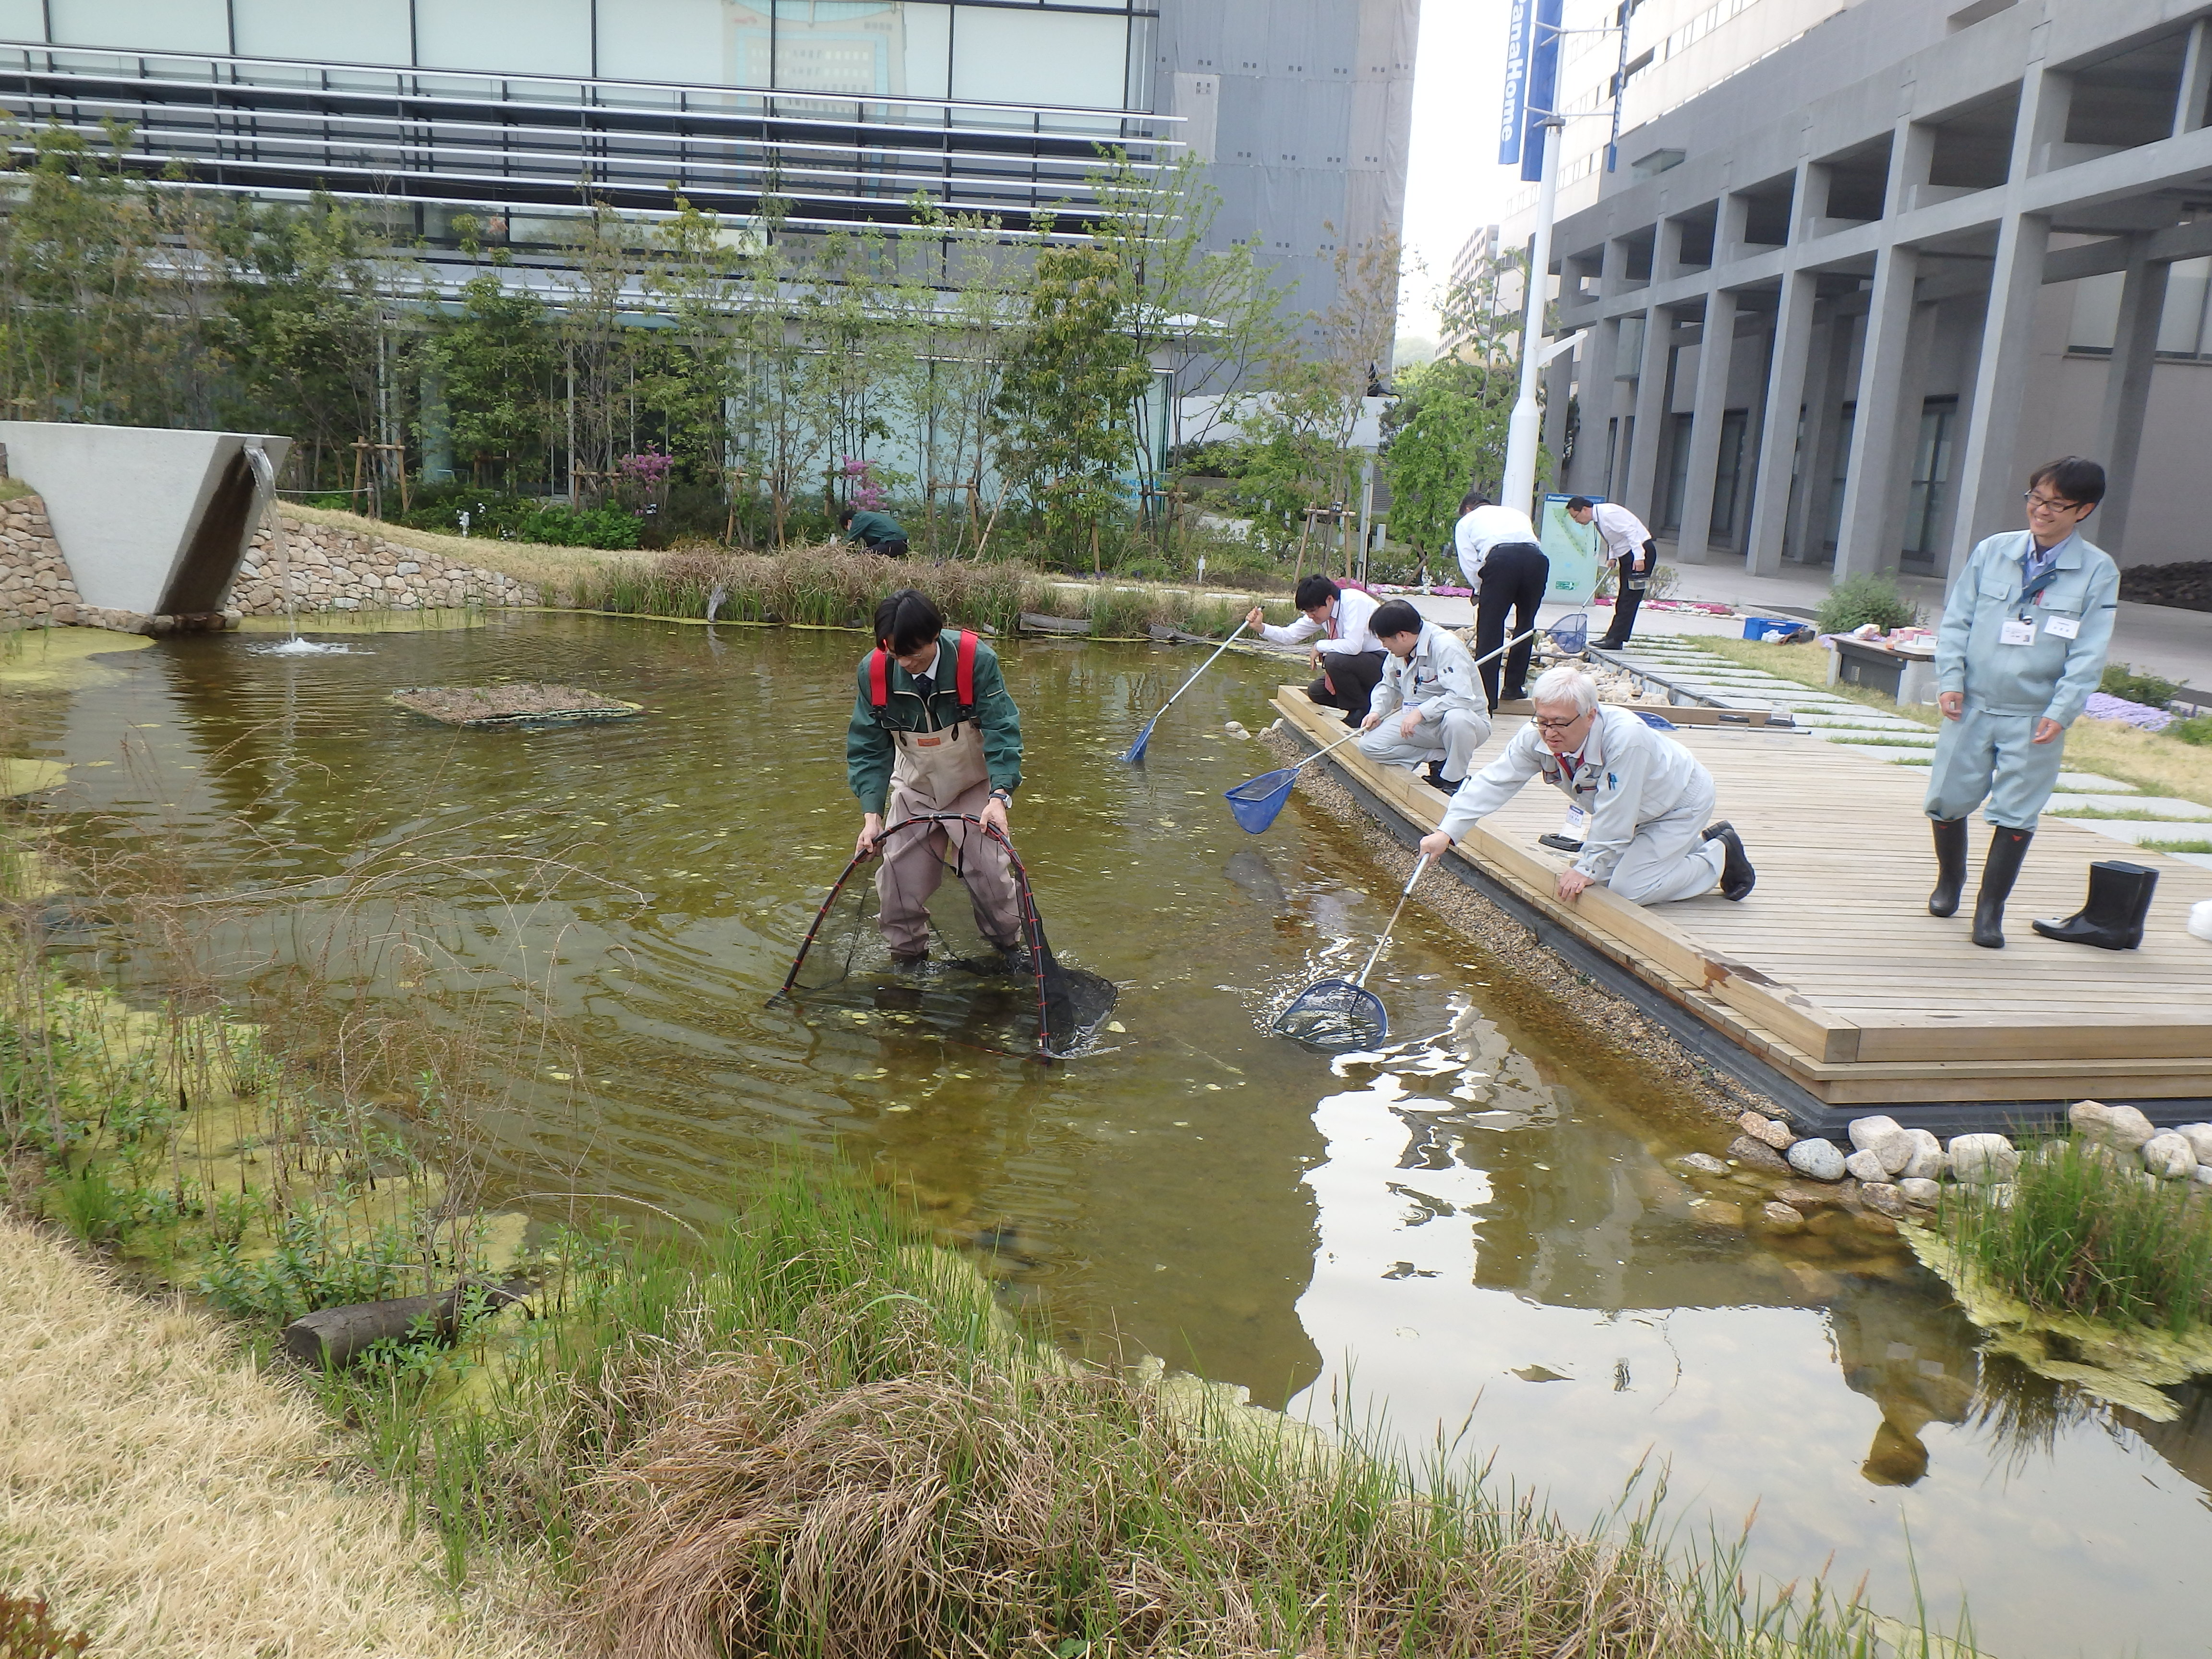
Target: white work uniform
x=1438, y=681
x=1648, y=800
x=1486, y=527
x=1621, y=531
x=1345, y=633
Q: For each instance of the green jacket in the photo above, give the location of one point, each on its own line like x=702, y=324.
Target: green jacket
x=869, y=751
x=872, y=527
x=2052, y=676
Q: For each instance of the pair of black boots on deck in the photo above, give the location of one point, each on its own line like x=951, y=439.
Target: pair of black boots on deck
x=2113, y=919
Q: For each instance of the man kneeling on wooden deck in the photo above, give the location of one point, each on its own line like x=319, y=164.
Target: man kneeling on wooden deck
x=1642, y=798
x=1429, y=707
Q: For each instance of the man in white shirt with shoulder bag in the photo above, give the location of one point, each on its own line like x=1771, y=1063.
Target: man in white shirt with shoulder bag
x=1506, y=567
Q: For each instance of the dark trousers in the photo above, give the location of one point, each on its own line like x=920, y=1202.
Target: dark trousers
x=1513, y=580
x=1347, y=683
x=897, y=549
x=1626, y=599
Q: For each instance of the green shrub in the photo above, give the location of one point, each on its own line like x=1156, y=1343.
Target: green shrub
x=2084, y=1232
x=1858, y=600
x=27, y=1631
x=2120, y=680
x=2196, y=729
x=316, y=1264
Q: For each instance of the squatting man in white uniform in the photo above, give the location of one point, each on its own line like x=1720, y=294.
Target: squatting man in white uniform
x=1429, y=708
x=1645, y=798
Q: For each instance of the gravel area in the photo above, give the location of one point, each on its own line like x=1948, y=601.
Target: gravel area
x=1530, y=981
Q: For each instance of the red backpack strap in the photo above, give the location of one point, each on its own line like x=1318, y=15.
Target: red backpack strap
x=965, y=669
x=880, y=678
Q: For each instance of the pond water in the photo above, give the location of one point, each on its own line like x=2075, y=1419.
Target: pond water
x=1476, y=1233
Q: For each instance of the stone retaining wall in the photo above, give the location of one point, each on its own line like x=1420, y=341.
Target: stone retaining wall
x=340, y=569
x=333, y=569
x=34, y=578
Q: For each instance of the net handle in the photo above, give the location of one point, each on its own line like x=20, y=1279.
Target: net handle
x=1383, y=939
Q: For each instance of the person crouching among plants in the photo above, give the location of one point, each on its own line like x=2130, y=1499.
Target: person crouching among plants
x=933, y=731
x=879, y=532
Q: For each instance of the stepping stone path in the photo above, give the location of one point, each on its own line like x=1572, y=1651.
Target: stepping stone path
x=1901, y=741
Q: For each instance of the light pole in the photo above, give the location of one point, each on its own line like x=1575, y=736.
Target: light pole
x=1525, y=430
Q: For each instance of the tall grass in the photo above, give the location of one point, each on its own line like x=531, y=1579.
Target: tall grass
x=812, y=1434
x=833, y=587
x=2085, y=1231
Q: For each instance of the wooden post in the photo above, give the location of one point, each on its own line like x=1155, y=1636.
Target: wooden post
x=1300, y=569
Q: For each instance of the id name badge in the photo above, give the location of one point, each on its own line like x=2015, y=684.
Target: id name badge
x=2063, y=628
x=1577, y=825
x=2016, y=632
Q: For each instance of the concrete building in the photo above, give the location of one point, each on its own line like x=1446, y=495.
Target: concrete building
x=1841, y=300
x=516, y=111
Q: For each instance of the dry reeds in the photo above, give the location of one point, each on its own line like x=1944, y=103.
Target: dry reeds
x=815, y=1437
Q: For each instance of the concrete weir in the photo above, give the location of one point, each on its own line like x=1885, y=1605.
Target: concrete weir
x=153, y=521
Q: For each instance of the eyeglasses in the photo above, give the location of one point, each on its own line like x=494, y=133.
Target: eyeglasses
x=1543, y=725
x=2039, y=503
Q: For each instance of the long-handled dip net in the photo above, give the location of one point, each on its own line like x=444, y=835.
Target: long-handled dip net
x=941, y=972
x=1341, y=1014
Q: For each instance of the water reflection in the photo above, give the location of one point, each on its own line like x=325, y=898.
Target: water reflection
x=1485, y=1221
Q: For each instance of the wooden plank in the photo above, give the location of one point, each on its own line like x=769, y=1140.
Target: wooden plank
x=1774, y=1005
x=1840, y=978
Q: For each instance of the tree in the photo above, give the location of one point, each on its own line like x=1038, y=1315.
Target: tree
x=1447, y=434
x=495, y=359
x=1066, y=413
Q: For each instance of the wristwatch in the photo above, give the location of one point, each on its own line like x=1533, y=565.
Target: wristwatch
x=1004, y=797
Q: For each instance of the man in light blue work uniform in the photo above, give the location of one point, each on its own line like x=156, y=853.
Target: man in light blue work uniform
x=2022, y=645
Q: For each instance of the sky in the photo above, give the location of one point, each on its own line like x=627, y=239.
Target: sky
x=1453, y=185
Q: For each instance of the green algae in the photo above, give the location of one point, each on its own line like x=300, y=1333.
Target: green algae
x=2123, y=1366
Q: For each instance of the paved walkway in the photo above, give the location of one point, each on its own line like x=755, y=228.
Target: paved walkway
x=2156, y=638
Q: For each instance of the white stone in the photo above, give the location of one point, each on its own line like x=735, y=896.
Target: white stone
x=2199, y=1137
x=2203, y=1176
x=2122, y=1127
x=1978, y=1160
x=1883, y=1198
x=1817, y=1158
x=1922, y=1194
x=1867, y=1166
x=1928, y=1162
x=2168, y=1157
x=1865, y=1130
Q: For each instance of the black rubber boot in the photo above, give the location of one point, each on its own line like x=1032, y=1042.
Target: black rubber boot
x=1737, y=876
x=1950, y=866
x=1434, y=777
x=2113, y=919
x=1999, y=871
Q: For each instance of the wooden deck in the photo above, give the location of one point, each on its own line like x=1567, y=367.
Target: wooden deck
x=1832, y=972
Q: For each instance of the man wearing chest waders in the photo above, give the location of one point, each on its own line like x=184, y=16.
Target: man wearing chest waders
x=933, y=731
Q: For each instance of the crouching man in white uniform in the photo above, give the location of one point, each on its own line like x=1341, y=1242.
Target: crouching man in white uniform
x=1429, y=707
x=1645, y=798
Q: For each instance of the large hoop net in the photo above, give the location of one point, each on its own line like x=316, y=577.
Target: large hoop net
x=966, y=960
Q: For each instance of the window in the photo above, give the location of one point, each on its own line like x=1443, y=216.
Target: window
x=1931, y=478
x=1727, y=473
x=1678, y=472
x=505, y=37
x=2181, y=327
x=1001, y=55
x=687, y=42
x=142, y=25
x=1840, y=475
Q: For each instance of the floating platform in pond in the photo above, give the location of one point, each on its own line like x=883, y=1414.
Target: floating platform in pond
x=1830, y=989
x=522, y=704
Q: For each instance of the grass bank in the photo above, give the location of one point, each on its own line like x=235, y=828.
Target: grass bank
x=2154, y=763
x=829, y=586
x=169, y=1498
x=813, y=1434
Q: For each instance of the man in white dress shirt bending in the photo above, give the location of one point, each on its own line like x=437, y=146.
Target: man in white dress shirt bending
x=1507, y=568
x=1347, y=653
x=1429, y=709
x=1644, y=797
x=1634, y=555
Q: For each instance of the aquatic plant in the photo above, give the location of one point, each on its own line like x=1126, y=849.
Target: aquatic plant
x=2083, y=1230
x=811, y=1432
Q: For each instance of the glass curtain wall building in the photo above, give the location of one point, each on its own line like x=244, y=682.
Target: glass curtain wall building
x=843, y=109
